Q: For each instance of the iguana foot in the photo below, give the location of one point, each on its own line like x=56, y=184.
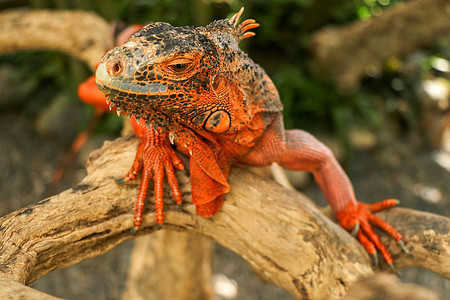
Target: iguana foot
x=155, y=159
x=358, y=218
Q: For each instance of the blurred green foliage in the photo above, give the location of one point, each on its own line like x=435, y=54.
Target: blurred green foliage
x=39, y=76
x=281, y=47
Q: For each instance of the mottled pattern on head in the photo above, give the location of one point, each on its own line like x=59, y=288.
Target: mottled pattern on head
x=168, y=40
x=193, y=76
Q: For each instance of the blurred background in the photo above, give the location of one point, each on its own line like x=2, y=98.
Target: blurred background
x=390, y=127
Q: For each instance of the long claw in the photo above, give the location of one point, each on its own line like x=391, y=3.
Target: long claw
x=406, y=250
x=355, y=230
x=388, y=203
x=391, y=266
x=375, y=259
x=120, y=180
x=134, y=229
x=359, y=214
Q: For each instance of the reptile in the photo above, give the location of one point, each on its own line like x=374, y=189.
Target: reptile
x=192, y=89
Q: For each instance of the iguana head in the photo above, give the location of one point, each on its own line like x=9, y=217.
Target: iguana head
x=188, y=75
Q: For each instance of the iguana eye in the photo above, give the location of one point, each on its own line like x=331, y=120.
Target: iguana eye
x=179, y=65
x=178, y=68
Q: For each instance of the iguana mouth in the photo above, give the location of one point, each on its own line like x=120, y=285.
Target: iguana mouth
x=140, y=100
x=106, y=82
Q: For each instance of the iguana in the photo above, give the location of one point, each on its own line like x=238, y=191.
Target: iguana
x=193, y=87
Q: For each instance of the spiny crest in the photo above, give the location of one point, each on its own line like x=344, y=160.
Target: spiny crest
x=231, y=26
x=242, y=29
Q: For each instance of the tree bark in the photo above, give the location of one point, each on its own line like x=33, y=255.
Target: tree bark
x=388, y=286
x=81, y=34
x=345, y=54
x=72, y=32
x=10, y=289
x=170, y=265
x=279, y=232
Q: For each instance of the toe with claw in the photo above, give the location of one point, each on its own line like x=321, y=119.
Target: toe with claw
x=358, y=218
x=155, y=160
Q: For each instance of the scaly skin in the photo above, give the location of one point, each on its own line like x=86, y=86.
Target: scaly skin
x=194, y=88
x=88, y=91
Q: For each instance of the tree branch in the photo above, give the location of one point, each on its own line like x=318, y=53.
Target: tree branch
x=70, y=32
x=388, y=286
x=279, y=232
x=344, y=55
x=170, y=265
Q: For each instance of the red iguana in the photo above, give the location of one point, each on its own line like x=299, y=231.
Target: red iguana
x=193, y=87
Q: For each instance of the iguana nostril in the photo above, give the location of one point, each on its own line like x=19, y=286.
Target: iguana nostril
x=116, y=68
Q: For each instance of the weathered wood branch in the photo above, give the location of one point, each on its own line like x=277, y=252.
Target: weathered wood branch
x=11, y=290
x=388, y=286
x=170, y=265
x=279, y=232
x=187, y=269
x=78, y=33
x=346, y=54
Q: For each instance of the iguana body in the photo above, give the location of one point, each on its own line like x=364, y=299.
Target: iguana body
x=194, y=88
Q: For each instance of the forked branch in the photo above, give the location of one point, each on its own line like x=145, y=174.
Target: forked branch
x=279, y=232
x=285, y=238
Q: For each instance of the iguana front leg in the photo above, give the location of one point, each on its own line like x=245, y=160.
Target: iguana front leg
x=155, y=158
x=303, y=152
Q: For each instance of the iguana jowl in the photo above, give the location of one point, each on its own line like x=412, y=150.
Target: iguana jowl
x=193, y=87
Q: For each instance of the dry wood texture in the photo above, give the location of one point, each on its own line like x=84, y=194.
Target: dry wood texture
x=344, y=55
x=388, y=286
x=70, y=32
x=279, y=232
x=170, y=265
